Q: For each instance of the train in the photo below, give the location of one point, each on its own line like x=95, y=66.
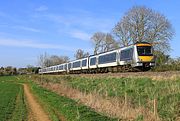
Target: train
x=135, y=57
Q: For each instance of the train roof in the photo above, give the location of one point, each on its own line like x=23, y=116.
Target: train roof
x=143, y=44
x=124, y=47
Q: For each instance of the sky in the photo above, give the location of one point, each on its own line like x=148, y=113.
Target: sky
x=29, y=28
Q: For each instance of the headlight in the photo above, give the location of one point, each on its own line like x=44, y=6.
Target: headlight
x=139, y=59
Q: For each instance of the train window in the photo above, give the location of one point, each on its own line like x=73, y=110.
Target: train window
x=93, y=61
x=126, y=54
x=61, y=67
x=65, y=66
x=84, y=62
x=107, y=58
x=76, y=64
x=144, y=50
x=69, y=65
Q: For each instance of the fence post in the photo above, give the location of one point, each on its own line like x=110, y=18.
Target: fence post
x=155, y=108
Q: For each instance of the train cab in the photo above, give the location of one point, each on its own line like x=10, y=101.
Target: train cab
x=145, y=57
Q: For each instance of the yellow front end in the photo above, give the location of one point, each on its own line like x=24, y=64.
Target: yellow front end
x=146, y=58
x=145, y=52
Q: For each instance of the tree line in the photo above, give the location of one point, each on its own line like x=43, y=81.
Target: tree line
x=139, y=24
x=9, y=70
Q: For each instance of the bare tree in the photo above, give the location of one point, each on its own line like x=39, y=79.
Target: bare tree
x=109, y=43
x=97, y=40
x=55, y=60
x=81, y=54
x=45, y=60
x=103, y=42
x=143, y=24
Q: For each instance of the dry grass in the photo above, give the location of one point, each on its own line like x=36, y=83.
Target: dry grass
x=158, y=76
x=113, y=107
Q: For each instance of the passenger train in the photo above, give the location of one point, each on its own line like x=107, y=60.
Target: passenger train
x=138, y=56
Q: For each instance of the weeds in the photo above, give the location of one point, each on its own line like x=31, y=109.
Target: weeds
x=160, y=97
x=72, y=110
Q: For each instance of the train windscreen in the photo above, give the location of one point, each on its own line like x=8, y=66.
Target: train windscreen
x=144, y=50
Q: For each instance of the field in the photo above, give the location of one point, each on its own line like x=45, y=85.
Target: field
x=136, y=98
x=61, y=107
x=12, y=103
x=101, y=97
x=15, y=104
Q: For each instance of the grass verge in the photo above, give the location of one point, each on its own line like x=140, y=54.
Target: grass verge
x=137, y=91
x=70, y=109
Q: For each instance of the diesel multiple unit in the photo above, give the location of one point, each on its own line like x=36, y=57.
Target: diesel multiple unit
x=138, y=56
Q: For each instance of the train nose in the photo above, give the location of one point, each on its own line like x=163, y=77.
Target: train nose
x=146, y=58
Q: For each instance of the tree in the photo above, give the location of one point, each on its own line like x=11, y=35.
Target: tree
x=1, y=71
x=9, y=70
x=161, y=58
x=103, y=42
x=97, y=40
x=81, y=54
x=55, y=60
x=30, y=68
x=109, y=43
x=46, y=60
x=43, y=60
x=143, y=24
x=14, y=71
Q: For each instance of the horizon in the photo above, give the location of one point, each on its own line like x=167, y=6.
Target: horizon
x=31, y=28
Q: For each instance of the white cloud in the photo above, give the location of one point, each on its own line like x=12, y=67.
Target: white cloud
x=32, y=44
x=84, y=21
x=27, y=28
x=80, y=35
x=41, y=8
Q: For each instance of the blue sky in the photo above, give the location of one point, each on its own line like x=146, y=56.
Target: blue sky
x=29, y=28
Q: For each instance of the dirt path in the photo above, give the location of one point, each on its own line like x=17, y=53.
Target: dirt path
x=37, y=113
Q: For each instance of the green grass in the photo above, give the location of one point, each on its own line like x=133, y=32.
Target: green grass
x=12, y=103
x=140, y=91
x=20, y=111
x=7, y=78
x=70, y=109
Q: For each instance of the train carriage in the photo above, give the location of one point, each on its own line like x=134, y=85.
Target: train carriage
x=108, y=59
x=76, y=66
x=60, y=68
